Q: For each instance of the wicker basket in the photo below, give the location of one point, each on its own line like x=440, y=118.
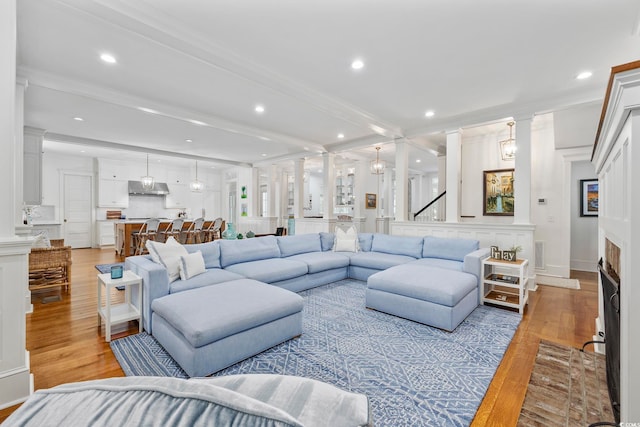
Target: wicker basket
x=50, y=267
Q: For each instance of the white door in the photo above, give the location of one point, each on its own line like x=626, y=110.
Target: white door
x=77, y=211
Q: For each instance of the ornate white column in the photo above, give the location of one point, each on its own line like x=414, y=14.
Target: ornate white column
x=522, y=175
x=328, y=185
x=402, y=178
x=298, y=189
x=16, y=382
x=454, y=162
x=442, y=186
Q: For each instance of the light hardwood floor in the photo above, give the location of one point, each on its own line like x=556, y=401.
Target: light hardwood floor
x=66, y=344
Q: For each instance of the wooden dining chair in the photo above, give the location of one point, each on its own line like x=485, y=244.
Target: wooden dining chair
x=214, y=231
x=174, y=228
x=148, y=231
x=194, y=232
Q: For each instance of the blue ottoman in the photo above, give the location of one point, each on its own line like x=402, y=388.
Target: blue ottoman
x=207, y=329
x=430, y=295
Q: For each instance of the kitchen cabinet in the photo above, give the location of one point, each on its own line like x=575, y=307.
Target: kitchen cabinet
x=178, y=196
x=178, y=176
x=113, y=193
x=115, y=170
x=106, y=233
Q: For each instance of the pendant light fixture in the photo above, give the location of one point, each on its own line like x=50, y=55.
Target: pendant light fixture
x=147, y=180
x=377, y=165
x=508, y=146
x=196, y=186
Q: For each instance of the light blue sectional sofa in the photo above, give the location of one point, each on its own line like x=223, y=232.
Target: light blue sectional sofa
x=301, y=262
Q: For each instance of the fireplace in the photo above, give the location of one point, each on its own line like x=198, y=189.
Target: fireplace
x=611, y=299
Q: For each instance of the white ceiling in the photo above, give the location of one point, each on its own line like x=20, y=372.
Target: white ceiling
x=213, y=61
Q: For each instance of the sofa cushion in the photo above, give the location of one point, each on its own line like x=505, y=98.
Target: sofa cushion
x=378, y=260
x=433, y=284
x=191, y=265
x=441, y=263
x=210, y=277
x=210, y=253
x=448, y=248
x=398, y=245
x=220, y=316
x=326, y=240
x=270, y=270
x=346, y=240
x=238, y=251
x=365, y=240
x=168, y=254
x=299, y=244
x=322, y=261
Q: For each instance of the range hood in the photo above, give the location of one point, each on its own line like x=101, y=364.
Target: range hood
x=158, y=189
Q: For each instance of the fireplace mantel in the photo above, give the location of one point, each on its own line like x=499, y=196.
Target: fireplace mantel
x=616, y=156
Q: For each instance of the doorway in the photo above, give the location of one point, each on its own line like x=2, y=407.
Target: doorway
x=77, y=215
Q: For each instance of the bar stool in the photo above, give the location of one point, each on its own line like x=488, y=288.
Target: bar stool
x=174, y=228
x=148, y=231
x=194, y=232
x=213, y=232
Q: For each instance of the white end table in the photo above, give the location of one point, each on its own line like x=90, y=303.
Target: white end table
x=122, y=312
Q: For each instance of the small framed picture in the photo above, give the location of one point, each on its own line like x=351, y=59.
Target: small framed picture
x=371, y=200
x=588, y=197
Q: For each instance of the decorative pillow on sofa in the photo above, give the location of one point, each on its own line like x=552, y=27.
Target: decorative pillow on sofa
x=167, y=254
x=346, y=240
x=191, y=265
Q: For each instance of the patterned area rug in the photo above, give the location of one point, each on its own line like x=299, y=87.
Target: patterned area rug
x=567, y=388
x=414, y=375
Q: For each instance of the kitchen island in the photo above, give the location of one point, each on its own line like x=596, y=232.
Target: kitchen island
x=124, y=229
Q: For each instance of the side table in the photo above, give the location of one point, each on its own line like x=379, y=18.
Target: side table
x=123, y=312
x=505, y=283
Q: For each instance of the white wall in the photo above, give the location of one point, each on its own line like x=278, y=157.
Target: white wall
x=584, y=229
x=480, y=153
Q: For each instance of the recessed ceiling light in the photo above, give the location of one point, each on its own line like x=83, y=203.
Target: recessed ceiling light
x=357, y=64
x=108, y=58
x=147, y=110
x=584, y=75
x=259, y=109
x=82, y=151
x=306, y=148
x=264, y=154
x=418, y=160
x=78, y=119
x=197, y=122
x=341, y=135
x=188, y=140
x=429, y=113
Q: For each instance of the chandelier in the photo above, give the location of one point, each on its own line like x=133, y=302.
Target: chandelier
x=508, y=146
x=196, y=186
x=377, y=165
x=147, y=180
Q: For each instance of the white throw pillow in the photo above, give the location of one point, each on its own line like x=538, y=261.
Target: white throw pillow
x=191, y=265
x=167, y=254
x=346, y=240
x=41, y=240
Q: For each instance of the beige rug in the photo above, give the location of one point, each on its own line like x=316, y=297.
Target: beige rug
x=567, y=388
x=559, y=282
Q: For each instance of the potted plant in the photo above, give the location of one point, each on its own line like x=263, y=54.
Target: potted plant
x=244, y=192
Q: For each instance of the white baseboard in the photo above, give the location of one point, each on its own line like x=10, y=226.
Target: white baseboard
x=584, y=265
x=561, y=282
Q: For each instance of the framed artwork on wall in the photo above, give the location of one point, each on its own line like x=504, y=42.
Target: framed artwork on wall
x=498, y=192
x=371, y=200
x=588, y=197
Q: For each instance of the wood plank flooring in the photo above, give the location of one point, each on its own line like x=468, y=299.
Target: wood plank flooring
x=66, y=344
